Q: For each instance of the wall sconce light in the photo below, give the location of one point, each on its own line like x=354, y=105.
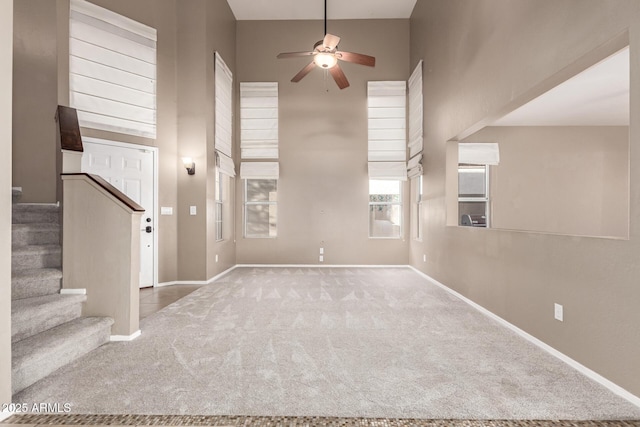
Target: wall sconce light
x=189, y=165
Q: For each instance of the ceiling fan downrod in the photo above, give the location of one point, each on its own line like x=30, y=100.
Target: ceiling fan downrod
x=325, y=18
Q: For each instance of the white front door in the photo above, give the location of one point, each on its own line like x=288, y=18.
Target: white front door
x=130, y=168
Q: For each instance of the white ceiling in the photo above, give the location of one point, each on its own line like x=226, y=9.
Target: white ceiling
x=599, y=96
x=248, y=10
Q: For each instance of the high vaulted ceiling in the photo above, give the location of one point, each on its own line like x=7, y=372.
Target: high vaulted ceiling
x=248, y=10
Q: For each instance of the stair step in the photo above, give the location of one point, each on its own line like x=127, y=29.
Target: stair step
x=36, y=256
x=35, y=234
x=31, y=316
x=38, y=356
x=35, y=283
x=24, y=213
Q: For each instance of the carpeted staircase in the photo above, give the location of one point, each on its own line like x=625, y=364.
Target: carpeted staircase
x=47, y=330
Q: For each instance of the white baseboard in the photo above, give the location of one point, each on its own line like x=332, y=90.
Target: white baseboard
x=320, y=266
x=133, y=336
x=613, y=387
x=4, y=415
x=73, y=291
x=197, y=282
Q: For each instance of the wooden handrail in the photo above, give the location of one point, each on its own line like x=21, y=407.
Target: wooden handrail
x=70, y=138
x=111, y=190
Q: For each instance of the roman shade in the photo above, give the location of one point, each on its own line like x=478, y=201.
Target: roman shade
x=386, y=102
x=259, y=170
x=388, y=170
x=415, y=112
x=223, y=114
x=415, y=144
x=112, y=71
x=414, y=166
x=259, y=120
x=225, y=164
x=484, y=153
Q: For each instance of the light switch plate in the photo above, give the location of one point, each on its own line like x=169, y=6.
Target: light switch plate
x=558, y=312
x=164, y=210
x=192, y=210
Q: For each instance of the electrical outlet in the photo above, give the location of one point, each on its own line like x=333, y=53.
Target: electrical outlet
x=216, y=257
x=321, y=251
x=424, y=258
x=558, y=312
x=321, y=258
x=192, y=210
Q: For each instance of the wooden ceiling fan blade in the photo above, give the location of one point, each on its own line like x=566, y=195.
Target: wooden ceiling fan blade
x=306, y=70
x=339, y=77
x=330, y=41
x=357, y=58
x=294, y=54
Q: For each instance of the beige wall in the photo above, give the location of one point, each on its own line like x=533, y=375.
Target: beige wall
x=35, y=97
x=479, y=57
x=566, y=180
x=323, y=186
x=6, y=48
x=203, y=28
x=184, y=114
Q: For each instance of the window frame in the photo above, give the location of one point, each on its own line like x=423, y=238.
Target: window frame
x=399, y=203
x=477, y=199
x=419, y=188
x=219, y=203
x=247, y=203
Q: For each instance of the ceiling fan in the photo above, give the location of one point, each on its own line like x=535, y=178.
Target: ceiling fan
x=326, y=55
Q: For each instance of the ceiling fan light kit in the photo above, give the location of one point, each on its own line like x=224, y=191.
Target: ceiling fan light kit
x=326, y=55
x=325, y=60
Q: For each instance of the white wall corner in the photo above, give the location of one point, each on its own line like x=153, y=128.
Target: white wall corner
x=133, y=336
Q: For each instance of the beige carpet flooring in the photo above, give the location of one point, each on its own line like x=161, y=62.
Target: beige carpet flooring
x=332, y=342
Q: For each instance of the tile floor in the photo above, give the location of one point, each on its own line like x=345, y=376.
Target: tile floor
x=155, y=299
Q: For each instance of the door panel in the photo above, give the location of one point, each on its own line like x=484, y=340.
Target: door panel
x=130, y=170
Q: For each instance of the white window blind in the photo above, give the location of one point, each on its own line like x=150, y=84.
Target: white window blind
x=387, y=129
x=112, y=71
x=225, y=164
x=223, y=113
x=387, y=121
x=388, y=170
x=415, y=116
x=481, y=153
x=259, y=120
x=259, y=170
x=414, y=166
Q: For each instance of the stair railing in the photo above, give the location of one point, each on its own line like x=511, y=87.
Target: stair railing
x=101, y=237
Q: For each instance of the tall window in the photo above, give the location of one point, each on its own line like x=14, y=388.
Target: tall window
x=385, y=208
x=112, y=71
x=219, y=198
x=260, y=208
x=418, y=206
x=473, y=195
